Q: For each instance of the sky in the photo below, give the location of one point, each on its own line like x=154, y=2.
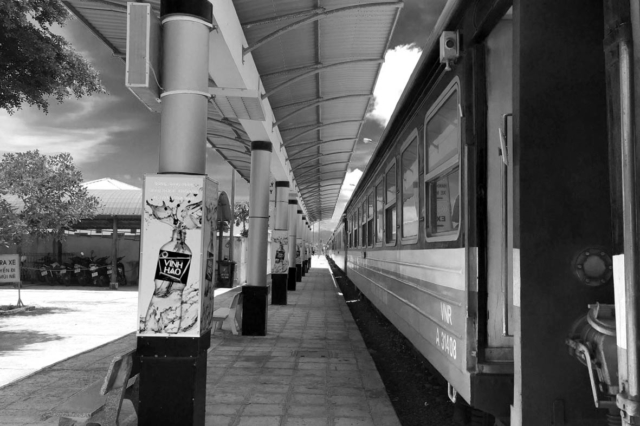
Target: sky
x=114, y=135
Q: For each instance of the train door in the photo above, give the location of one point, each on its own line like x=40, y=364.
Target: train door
x=500, y=253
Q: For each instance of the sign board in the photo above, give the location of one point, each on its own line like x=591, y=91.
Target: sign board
x=9, y=268
x=280, y=252
x=175, y=296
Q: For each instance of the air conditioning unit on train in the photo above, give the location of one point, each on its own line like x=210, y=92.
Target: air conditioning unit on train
x=449, y=48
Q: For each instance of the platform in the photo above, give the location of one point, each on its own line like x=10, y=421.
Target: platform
x=312, y=368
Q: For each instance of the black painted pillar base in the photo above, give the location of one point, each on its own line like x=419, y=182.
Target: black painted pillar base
x=298, y=272
x=304, y=268
x=279, y=289
x=254, y=310
x=172, y=378
x=291, y=279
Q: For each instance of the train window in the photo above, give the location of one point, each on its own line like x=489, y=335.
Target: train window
x=379, y=212
x=410, y=189
x=356, y=225
x=363, y=223
x=390, y=207
x=370, y=217
x=442, y=174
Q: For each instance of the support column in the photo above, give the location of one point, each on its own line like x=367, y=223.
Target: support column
x=293, y=225
x=113, y=284
x=308, y=247
x=280, y=245
x=255, y=293
x=303, y=247
x=299, y=246
x=173, y=368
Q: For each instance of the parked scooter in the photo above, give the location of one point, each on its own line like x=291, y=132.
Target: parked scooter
x=81, y=270
x=49, y=271
x=99, y=271
x=67, y=275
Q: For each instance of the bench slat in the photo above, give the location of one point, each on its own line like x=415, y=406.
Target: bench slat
x=118, y=373
x=84, y=404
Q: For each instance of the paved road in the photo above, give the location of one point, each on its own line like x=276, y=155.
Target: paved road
x=66, y=322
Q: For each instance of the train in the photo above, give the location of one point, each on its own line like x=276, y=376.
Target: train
x=495, y=223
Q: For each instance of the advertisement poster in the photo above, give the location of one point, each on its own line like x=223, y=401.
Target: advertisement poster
x=172, y=251
x=211, y=215
x=298, y=254
x=9, y=268
x=280, y=251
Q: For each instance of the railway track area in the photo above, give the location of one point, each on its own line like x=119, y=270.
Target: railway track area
x=417, y=392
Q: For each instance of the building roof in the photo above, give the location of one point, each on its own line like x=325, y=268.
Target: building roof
x=108, y=183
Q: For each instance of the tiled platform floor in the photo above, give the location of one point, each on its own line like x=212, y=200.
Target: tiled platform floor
x=311, y=369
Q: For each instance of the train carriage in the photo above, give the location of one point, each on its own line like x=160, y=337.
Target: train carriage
x=491, y=214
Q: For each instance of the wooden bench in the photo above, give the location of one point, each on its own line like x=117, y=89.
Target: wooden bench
x=229, y=318
x=100, y=402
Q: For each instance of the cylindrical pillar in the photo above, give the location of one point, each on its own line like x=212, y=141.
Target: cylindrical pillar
x=113, y=284
x=280, y=245
x=255, y=293
x=177, y=396
x=303, y=247
x=293, y=225
x=232, y=201
x=183, y=121
x=299, y=246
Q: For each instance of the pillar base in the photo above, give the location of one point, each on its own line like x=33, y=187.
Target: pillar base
x=304, y=268
x=254, y=310
x=298, y=272
x=291, y=279
x=173, y=384
x=279, y=289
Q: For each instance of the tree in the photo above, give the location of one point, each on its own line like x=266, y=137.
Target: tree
x=36, y=64
x=241, y=215
x=46, y=193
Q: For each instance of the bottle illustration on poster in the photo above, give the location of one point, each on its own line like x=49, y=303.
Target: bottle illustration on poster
x=173, y=306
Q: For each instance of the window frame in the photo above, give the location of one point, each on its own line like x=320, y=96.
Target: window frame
x=363, y=222
x=412, y=239
x=370, y=200
x=388, y=204
x=453, y=88
x=379, y=182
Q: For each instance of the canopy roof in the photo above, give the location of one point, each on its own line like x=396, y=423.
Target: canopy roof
x=317, y=62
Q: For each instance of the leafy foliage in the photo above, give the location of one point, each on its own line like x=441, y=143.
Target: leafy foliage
x=50, y=191
x=36, y=64
x=241, y=215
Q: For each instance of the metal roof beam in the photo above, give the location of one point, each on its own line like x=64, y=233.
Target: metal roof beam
x=317, y=190
x=316, y=16
x=316, y=157
x=316, y=167
x=229, y=124
x=319, y=102
x=320, y=126
x=319, y=173
x=244, y=142
x=301, y=14
x=317, y=183
x=223, y=148
x=317, y=178
x=315, y=143
x=317, y=71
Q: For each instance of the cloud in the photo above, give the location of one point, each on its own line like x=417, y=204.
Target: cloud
x=76, y=126
x=351, y=179
x=396, y=70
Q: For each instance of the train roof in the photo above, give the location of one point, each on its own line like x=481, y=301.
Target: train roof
x=427, y=60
